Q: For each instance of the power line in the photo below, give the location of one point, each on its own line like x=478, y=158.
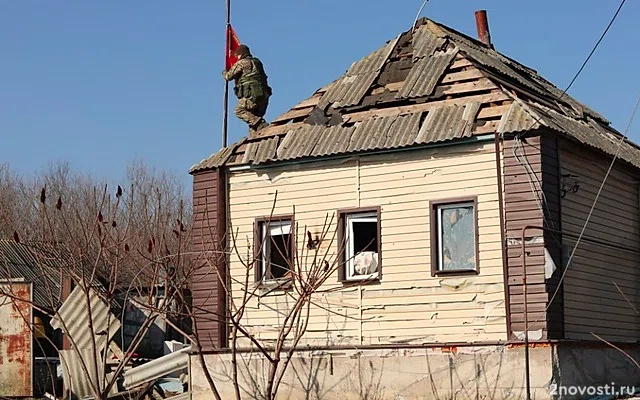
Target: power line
x=595, y=201
x=584, y=64
x=622, y=139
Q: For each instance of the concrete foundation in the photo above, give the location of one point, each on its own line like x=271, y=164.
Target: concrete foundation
x=484, y=372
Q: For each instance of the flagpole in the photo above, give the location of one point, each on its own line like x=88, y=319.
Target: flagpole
x=226, y=85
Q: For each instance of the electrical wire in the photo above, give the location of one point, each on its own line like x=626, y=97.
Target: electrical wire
x=621, y=141
x=584, y=64
x=413, y=27
x=595, y=202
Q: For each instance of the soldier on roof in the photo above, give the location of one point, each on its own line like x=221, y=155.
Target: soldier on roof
x=251, y=88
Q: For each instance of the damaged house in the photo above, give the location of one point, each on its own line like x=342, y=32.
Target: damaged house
x=51, y=324
x=458, y=181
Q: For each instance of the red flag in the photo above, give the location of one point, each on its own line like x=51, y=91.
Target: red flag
x=232, y=45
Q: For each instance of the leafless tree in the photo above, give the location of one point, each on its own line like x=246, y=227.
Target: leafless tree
x=116, y=246
x=311, y=262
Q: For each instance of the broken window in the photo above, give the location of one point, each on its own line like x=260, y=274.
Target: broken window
x=275, y=250
x=360, y=232
x=455, y=240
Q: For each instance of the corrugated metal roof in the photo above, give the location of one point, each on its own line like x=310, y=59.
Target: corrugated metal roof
x=425, y=75
x=425, y=43
x=404, y=130
x=522, y=74
x=333, y=140
x=594, y=135
x=74, y=314
x=298, y=144
x=218, y=158
x=350, y=89
x=518, y=119
x=447, y=123
x=265, y=150
x=39, y=263
x=371, y=134
x=432, y=48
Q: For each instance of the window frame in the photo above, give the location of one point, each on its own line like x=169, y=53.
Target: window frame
x=260, y=272
x=342, y=218
x=435, y=226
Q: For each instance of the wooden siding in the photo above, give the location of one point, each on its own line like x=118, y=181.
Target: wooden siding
x=524, y=205
x=407, y=305
x=208, y=233
x=592, y=303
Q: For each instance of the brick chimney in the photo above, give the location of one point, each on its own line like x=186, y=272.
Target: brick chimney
x=482, y=24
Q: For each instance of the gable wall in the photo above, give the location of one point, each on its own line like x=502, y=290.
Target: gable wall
x=592, y=303
x=408, y=305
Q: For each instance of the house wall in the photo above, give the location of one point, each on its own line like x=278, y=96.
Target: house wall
x=592, y=303
x=532, y=200
x=208, y=296
x=408, y=305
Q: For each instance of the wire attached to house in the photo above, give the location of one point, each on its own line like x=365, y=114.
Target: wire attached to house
x=595, y=201
x=621, y=141
x=413, y=27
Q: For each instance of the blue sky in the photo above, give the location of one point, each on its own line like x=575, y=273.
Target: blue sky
x=101, y=83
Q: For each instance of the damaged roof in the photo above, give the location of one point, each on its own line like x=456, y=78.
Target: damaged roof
x=428, y=85
x=36, y=263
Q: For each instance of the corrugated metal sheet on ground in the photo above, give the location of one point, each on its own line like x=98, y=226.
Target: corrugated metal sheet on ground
x=74, y=313
x=448, y=123
x=156, y=368
x=350, y=89
x=15, y=340
x=39, y=263
x=425, y=75
x=79, y=372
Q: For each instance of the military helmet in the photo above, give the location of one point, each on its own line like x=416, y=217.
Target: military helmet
x=242, y=50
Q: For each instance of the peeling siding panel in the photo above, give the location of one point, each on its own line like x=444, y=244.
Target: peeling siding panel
x=592, y=302
x=15, y=340
x=409, y=305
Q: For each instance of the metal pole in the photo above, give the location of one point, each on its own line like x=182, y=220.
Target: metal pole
x=526, y=313
x=226, y=85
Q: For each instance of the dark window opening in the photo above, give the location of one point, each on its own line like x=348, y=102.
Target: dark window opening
x=275, y=248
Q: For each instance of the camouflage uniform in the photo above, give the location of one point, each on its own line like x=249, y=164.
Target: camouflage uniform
x=252, y=90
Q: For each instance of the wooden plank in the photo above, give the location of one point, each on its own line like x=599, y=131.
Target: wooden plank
x=482, y=98
x=310, y=102
x=479, y=85
x=466, y=75
x=294, y=113
x=492, y=112
x=460, y=63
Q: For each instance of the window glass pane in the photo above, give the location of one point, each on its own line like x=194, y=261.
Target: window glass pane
x=457, y=237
